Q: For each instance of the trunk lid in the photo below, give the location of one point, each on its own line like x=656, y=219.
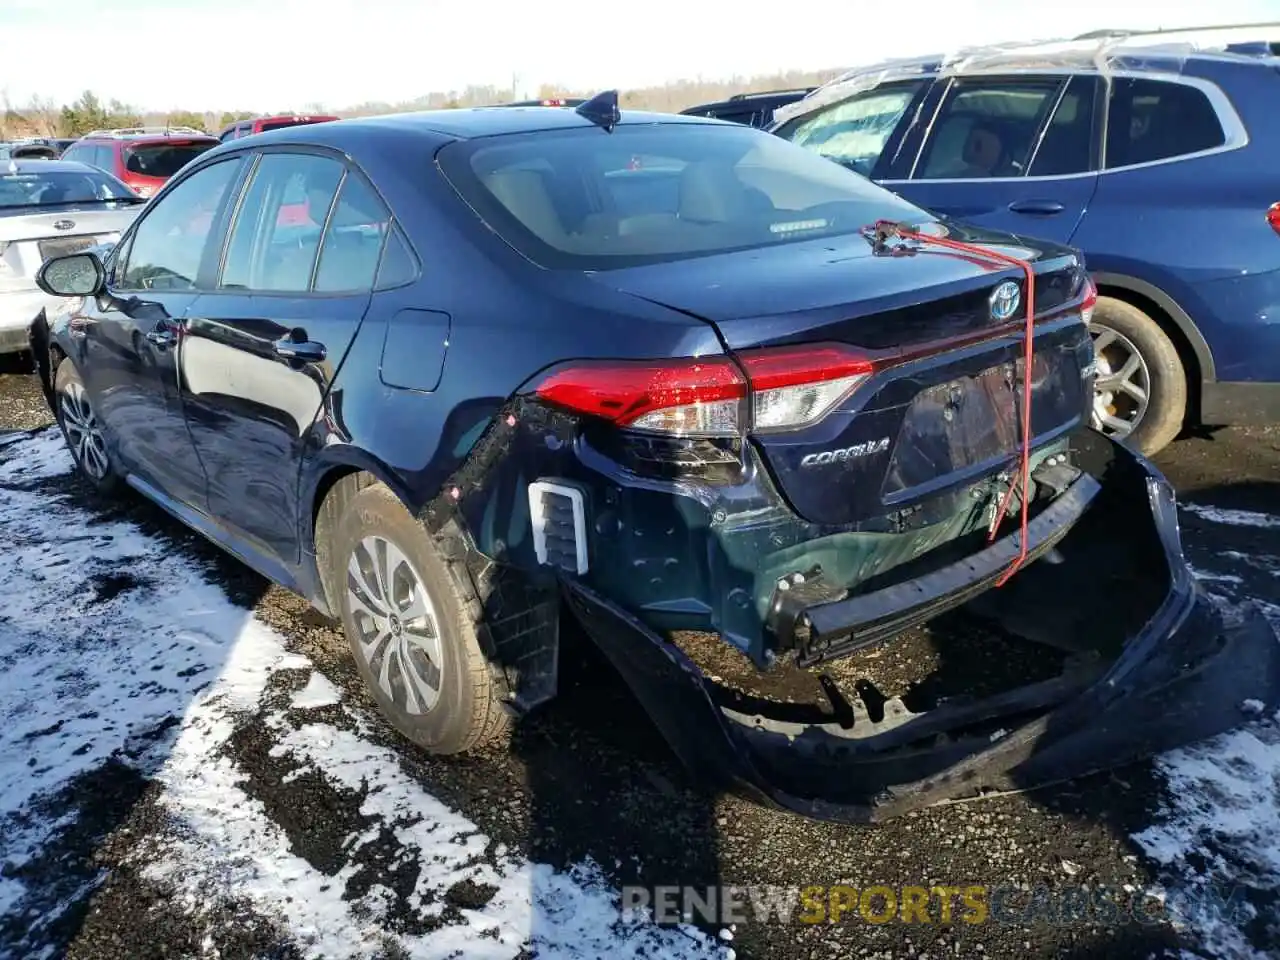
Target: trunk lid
x=942, y=409
x=30, y=236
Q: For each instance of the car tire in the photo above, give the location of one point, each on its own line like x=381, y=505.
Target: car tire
x=1125, y=338
x=83, y=431
x=376, y=539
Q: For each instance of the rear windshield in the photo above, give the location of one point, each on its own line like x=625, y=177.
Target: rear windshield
x=28, y=188
x=162, y=159
x=591, y=200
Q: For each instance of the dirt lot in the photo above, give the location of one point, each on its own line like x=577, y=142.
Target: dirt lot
x=280, y=818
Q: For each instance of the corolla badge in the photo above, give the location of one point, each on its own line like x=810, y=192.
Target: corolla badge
x=1004, y=301
x=845, y=454
x=63, y=224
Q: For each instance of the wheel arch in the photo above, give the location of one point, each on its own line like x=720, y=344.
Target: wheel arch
x=1193, y=350
x=330, y=482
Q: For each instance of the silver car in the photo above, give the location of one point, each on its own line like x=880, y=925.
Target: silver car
x=48, y=208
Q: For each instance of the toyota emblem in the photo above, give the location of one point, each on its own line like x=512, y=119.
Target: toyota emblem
x=63, y=224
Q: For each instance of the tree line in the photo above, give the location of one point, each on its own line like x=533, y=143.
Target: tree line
x=43, y=117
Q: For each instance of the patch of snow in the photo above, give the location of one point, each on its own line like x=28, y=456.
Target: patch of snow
x=1236, y=518
x=1218, y=833
x=89, y=675
x=38, y=457
x=319, y=692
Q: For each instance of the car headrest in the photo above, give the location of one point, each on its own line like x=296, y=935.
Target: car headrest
x=524, y=193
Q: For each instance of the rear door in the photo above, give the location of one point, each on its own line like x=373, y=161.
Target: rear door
x=264, y=345
x=1017, y=154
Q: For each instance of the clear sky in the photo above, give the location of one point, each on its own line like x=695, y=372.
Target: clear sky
x=286, y=54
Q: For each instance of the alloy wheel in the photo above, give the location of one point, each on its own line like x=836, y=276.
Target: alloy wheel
x=397, y=624
x=84, y=432
x=1122, y=389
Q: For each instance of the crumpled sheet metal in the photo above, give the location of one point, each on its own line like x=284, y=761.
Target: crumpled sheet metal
x=1164, y=52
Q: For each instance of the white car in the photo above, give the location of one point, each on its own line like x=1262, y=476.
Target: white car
x=49, y=208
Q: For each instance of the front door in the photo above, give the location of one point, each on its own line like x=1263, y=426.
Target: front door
x=134, y=331
x=1011, y=154
x=262, y=348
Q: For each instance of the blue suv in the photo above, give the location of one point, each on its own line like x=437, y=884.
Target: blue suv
x=1154, y=154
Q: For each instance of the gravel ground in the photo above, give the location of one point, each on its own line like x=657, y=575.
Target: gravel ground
x=586, y=779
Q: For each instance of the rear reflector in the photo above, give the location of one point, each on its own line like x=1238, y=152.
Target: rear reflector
x=1273, y=217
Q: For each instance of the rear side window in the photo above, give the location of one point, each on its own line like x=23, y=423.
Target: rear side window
x=853, y=132
x=398, y=265
x=987, y=129
x=276, y=234
x=585, y=199
x=161, y=159
x=353, y=239
x=1067, y=144
x=1152, y=120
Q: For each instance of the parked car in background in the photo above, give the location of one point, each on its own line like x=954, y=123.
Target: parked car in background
x=247, y=128
x=1154, y=153
x=548, y=102
x=28, y=150
x=48, y=208
x=701, y=396
x=752, y=109
x=143, y=157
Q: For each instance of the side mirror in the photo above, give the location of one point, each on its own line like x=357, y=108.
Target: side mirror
x=75, y=275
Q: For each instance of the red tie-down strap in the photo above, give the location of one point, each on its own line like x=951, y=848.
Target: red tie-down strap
x=886, y=230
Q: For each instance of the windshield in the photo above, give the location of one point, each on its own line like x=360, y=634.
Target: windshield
x=592, y=200
x=28, y=188
x=852, y=132
x=162, y=159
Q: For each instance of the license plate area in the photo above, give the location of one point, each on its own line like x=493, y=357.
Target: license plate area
x=62, y=246
x=957, y=425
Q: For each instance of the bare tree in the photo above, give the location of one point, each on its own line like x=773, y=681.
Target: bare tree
x=43, y=115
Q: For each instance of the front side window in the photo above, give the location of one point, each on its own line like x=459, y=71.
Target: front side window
x=276, y=234
x=591, y=200
x=1152, y=120
x=853, y=132
x=169, y=241
x=987, y=129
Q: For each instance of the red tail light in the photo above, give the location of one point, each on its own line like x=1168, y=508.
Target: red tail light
x=1273, y=217
x=789, y=387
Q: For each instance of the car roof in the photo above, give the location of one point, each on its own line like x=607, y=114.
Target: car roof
x=461, y=124
x=1156, y=51
x=40, y=165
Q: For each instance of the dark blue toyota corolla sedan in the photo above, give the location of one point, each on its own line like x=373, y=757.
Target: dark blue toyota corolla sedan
x=441, y=373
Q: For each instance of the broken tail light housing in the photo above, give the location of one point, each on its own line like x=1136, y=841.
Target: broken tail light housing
x=1088, y=300
x=770, y=389
x=1273, y=217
